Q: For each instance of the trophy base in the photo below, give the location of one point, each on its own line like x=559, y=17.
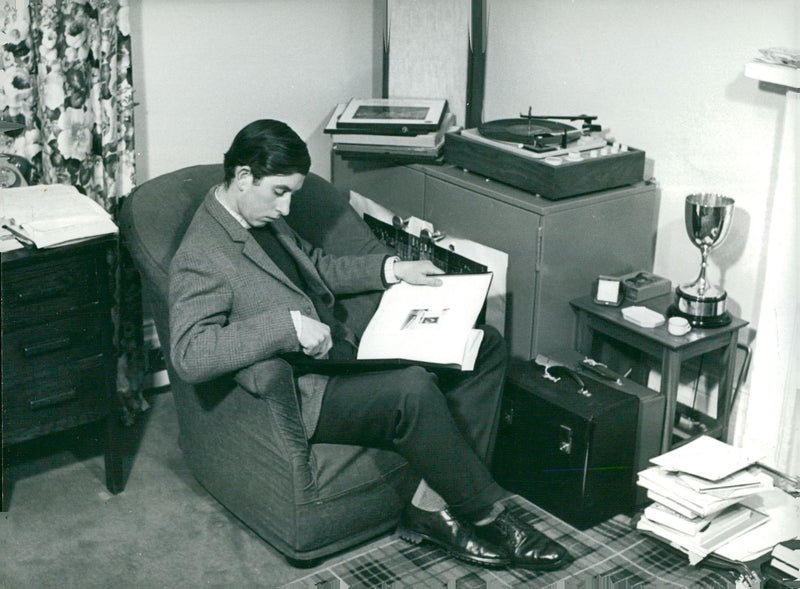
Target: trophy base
x=700, y=311
x=701, y=321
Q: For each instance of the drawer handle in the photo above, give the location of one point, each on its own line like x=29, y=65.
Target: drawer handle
x=53, y=400
x=41, y=293
x=46, y=346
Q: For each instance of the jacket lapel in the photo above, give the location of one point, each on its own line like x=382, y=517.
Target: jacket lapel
x=250, y=247
x=287, y=237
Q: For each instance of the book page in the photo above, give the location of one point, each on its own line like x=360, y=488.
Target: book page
x=427, y=323
x=54, y=214
x=496, y=261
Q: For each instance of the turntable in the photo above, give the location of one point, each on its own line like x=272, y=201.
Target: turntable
x=545, y=155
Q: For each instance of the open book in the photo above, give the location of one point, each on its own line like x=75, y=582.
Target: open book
x=429, y=324
x=48, y=215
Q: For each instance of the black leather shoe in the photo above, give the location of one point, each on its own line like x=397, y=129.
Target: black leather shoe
x=528, y=548
x=455, y=537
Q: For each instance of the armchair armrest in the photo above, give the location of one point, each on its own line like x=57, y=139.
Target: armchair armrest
x=272, y=381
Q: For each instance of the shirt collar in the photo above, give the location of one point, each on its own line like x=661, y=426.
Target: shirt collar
x=241, y=220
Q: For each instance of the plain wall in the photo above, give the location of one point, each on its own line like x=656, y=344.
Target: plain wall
x=663, y=76
x=666, y=77
x=205, y=68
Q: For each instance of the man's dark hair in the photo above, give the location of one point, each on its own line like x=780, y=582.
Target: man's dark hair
x=269, y=148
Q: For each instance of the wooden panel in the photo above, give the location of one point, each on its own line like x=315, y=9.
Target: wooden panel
x=58, y=367
x=67, y=396
x=43, y=288
x=28, y=352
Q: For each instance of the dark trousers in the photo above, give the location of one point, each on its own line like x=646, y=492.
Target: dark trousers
x=442, y=422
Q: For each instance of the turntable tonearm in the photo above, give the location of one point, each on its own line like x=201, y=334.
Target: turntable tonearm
x=543, y=155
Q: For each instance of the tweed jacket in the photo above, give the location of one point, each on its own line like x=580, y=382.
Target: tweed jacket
x=230, y=303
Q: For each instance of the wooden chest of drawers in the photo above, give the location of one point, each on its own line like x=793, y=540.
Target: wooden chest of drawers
x=58, y=362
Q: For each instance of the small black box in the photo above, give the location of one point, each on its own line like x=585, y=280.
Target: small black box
x=572, y=454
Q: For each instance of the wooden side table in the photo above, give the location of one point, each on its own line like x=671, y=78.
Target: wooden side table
x=595, y=319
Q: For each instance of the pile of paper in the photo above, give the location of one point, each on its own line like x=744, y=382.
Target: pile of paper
x=700, y=493
x=48, y=215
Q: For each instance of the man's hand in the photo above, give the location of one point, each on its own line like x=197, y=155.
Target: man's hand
x=314, y=337
x=418, y=272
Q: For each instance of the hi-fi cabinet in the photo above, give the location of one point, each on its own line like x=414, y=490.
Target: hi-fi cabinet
x=573, y=452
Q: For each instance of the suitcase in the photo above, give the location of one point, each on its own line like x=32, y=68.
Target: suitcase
x=576, y=455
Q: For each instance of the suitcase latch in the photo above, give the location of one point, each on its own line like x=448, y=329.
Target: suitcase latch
x=565, y=440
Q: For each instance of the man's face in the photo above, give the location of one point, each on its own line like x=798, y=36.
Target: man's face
x=268, y=199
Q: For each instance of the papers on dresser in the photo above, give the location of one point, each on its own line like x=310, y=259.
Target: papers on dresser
x=53, y=214
x=431, y=324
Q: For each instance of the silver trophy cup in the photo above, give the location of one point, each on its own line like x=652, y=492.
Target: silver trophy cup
x=708, y=220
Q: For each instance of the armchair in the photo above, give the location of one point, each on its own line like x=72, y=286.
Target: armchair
x=250, y=452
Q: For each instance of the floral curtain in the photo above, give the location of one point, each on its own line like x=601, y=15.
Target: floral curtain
x=67, y=78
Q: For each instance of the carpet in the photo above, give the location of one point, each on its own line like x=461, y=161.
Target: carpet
x=64, y=530
x=610, y=555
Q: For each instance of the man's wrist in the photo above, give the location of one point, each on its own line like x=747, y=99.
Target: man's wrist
x=389, y=277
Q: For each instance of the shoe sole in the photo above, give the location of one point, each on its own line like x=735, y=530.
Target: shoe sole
x=417, y=538
x=544, y=567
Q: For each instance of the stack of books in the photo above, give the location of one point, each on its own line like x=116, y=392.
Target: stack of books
x=697, y=492
x=786, y=558
x=382, y=141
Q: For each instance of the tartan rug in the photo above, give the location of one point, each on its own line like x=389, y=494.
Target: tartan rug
x=612, y=554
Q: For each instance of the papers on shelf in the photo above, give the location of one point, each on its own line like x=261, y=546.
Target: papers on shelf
x=433, y=324
x=52, y=214
x=707, y=458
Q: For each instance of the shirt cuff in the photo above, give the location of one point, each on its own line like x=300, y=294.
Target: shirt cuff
x=298, y=325
x=388, y=270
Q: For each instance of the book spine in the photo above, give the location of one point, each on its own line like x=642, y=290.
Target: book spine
x=787, y=554
x=785, y=567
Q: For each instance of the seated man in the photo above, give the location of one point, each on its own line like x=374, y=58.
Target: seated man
x=244, y=287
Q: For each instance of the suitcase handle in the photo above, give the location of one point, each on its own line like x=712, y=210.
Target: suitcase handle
x=556, y=372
